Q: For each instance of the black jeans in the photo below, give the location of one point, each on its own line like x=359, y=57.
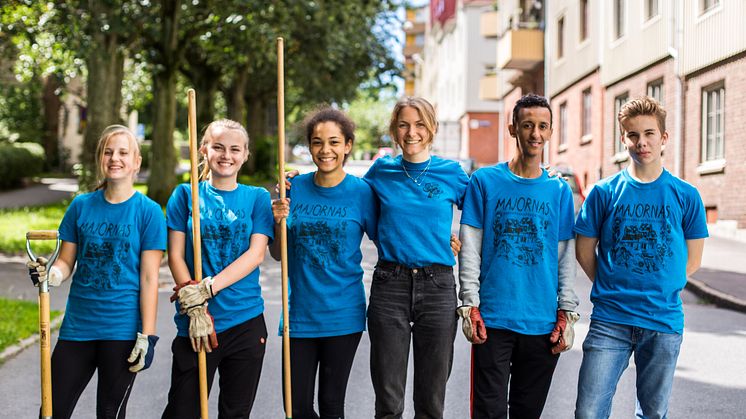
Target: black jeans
x=238, y=357
x=417, y=304
x=73, y=365
x=332, y=356
x=524, y=361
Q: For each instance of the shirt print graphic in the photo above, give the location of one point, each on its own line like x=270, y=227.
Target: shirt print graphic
x=642, y=237
x=519, y=228
x=432, y=189
x=222, y=235
x=317, y=244
x=104, y=251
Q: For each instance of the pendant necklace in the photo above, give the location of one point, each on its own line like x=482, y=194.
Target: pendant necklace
x=417, y=181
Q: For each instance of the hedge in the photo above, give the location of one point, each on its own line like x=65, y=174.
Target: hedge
x=18, y=161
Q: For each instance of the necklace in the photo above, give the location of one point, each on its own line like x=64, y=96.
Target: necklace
x=417, y=181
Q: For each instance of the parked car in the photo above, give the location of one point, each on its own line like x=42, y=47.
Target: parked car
x=578, y=195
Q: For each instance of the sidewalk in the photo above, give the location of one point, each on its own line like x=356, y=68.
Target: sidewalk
x=49, y=191
x=722, y=277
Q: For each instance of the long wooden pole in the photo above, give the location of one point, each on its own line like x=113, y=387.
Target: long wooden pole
x=283, y=225
x=197, y=239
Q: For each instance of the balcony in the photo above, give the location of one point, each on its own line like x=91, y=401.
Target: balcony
x=414, y=27
x=488, y=24
x=488, y=89
x=520, y=49
x=411, y=49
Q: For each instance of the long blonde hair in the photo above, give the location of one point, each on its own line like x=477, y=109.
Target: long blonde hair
x=208, y=135
x=107, y=134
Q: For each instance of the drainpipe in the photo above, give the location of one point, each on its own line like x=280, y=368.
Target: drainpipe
x=676, y=20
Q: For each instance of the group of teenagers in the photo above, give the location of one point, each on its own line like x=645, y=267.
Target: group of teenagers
x=637, y=236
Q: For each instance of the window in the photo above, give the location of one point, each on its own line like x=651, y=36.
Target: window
x=651, y=9
x=563, y=127
x=655, y=90
x=586, y=122
x=713, y=121
x=619, y=18
x=619, y=101
x=583, y=20
x=706, y=5
x=561, y=37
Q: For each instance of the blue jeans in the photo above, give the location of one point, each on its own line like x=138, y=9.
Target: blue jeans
x=417, y=304
x=606, y=352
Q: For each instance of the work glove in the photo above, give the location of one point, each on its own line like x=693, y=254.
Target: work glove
x=472, y=324
x=193, y=294
x=563, y=334
x=142, y=354
x=37, y=270
x=202, y=329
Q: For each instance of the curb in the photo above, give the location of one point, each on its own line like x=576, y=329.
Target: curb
x=14, y=350
x=717, y=297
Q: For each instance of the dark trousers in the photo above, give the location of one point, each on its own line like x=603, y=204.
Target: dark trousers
x=332, y=356
x=524, y=361
x=73, y=365
x=239, y=359
x=417, y=304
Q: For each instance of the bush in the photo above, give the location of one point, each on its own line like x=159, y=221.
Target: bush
x=18, y=161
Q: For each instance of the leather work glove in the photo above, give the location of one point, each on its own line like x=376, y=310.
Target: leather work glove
x=37, y=270
x=202, y=329
x=472, y=324
x=193, y=294
x=563, y=335
x=142, y=354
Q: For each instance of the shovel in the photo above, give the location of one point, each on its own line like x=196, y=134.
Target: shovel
x=45, y=339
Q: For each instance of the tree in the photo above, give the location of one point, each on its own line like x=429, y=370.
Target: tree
x=100, y=31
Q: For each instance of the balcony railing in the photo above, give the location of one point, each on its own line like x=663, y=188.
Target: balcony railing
x=488, y=24
x=520, y=49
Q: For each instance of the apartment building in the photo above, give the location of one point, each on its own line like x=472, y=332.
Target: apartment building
x=454, y=59
x=414, y=40
x=687, y=54
x=713, y=69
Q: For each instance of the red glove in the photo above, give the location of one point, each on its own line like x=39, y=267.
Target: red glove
x=563, y=335
x=472, y=324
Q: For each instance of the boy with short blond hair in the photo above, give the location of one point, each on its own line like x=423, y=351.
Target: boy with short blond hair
x=649, y=227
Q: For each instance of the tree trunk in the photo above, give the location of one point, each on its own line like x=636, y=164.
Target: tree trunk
x=206, y=91
x=162, y=179
x=256, y=124
x=105, y=65
x=52, y=104
x=234, y=95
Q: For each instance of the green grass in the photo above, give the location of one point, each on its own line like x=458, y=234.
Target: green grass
x=18, y=320
x=14, y=223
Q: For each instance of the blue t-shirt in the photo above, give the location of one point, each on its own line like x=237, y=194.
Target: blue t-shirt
x=642, y=229
x=325, y=228
x=414, y=228
x=227, y=221
x=522, y=221
x=104, y=300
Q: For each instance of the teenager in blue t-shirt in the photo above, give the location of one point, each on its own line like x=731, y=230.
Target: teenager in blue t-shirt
x=326, y=218
x=649, y=229
x=413, y=293
x=516, y=270
x=235, y=226
x=116, y=236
